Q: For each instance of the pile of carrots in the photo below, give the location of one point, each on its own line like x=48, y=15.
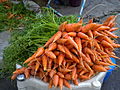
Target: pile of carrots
x=75, y=53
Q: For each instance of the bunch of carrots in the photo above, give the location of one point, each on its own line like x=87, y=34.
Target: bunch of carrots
x=75, y=53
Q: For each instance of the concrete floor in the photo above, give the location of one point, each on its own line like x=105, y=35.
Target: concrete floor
x=113, y=83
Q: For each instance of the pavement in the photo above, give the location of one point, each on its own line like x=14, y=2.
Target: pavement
x=110, y=7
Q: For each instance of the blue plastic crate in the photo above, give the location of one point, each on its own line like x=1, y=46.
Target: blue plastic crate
x=110, y=71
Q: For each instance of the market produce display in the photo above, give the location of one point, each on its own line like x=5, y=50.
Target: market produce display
x=76, y=52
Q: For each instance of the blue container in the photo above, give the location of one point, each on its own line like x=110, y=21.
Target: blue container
x=110, y=71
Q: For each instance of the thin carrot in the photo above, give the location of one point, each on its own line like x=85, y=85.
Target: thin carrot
x=67, y=52
x=61, y=41
x=50, y=83
x=50, y=54
x=75, y=81
x=66, y=83
x=83, y=36
x=60, y=83
x=60, y=58
x=39, y=52
x=106, y=44
x=62, y=26
x=61, y=48
x=74, y=73
x=111, y=34
x=113, y=29
x=99, y=68
x=52, y=73
x=103, y=28
x=78, y=42
x=72, y=34
x=57, y=36
x=60, y=74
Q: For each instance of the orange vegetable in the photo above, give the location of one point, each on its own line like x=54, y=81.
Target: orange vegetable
x=60, y=58
x=57, y=36
x=44, y=62
x=99, y=68
x=55, y=80
x=66, y=83
x=50, y=54
x=52, y=46
x=83, y=36
x=60, y=83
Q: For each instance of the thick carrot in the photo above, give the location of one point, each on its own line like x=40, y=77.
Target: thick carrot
x=60, y=58
x=62, y=26
x=115, y=45
x=50, y=63
x=72, y=34
x=99, y=68
x=60, y=83
x=90, y=33
x=88, y=27
x=60, y=74
x=83, y=77
x=61, y=41
x=52, y=73
x=50, y=83
x=55, y=80
x=66, y=83
x=61, y=48
x=88, y=50
x=52, y=46
x=57, y=36
x=50, y=54
x=56, y=53
x=44, y=62
x=83, y=36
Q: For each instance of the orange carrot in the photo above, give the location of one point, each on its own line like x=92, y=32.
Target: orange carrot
x=62, y=26
x=106, y=38
x=113, y=29
x=19, y=71
x=88, y=27
x=75, y=59
x=57, y=36
x=115, y=45
x=90, y=33
x=96, y=33
x=83, y=36
x=30, y=58
x=60, y=74
x=55, y=80
x=111, y=34
x=44, y=62
x=76, y=82
x=61, y=48
x=74, y=73
x=73, y=50
x=50, y=54
x=50, y=83
x=67, y=52
x=50, y=63
x=106, y=44
x=39, y=52
x=56, y=53
x=60, y=83
x=52, y=73
x=37, y=66
x=66, y=83
x=88, y=50
x=14, y=76
x=61, y=41
x=99, y=68
x=78, y=42
x=60, y=58
x=52, y=46
x=103, y=28
x=106, y=22
x=72, y=34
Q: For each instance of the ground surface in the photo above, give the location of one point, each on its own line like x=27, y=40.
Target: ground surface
x=111, y=6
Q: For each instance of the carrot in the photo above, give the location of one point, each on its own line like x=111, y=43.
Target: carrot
x=44, y=62
x=62, y=26
x=74, y=73
x=50, y=54
x=75, y=59
x=72, y=66
x=88, y=27
x=45, y=79
x=30, y=58
x=111, y=34
x=69, y=46
x=50, y=40
x=88, y=67
x=99, y=68
x=60, y=58
x=76, y=82
x=73, y=42
x=78, y=42
x=39, y=52
x=57, y=36
x=88, y=50
x=90, y=21
x=115, y=45
x=96, y=33
x=61, y=48
x=50, y=63
x=61, y=41
x=83, y=72
x=72, y=34
x=90, y=33
x=96, y=26
x=103, y=28
x=52, y=46
x=50, y=83
x=106, y=44
x=64, y=70
x=66, y=83
x=73, y=50
x=84, y=57
x=83, y=77
x=14, y=76
x=83, y=36
x=60, y=74
x=56, y=53
x=67, y=52
x=37, y=66
x=106, y=38
x=113, y=29
x=114, y=56
x=19, y=71
x=55, y=80
x=60, y=83
x=106, y=22
x=52, y=73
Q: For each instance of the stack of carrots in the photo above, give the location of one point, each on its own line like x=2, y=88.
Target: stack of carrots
x=75, y=53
